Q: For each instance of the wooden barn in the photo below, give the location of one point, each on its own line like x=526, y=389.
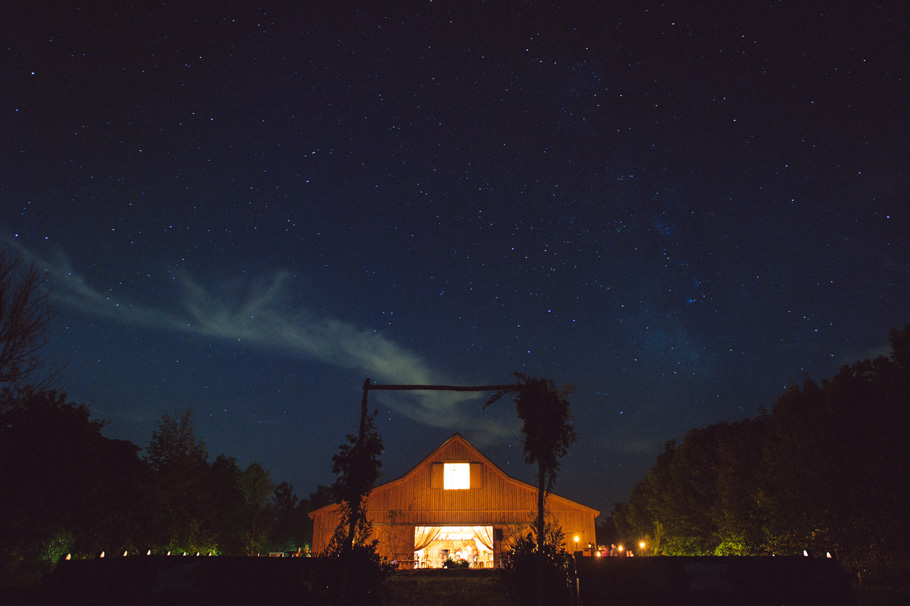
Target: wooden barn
x=456, y=504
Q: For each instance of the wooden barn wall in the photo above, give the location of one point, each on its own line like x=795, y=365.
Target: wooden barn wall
x=324, y=525
x=396, y=508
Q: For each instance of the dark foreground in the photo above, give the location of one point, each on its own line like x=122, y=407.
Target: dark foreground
x=153, y=580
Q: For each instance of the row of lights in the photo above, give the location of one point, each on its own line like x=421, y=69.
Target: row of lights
x=69, y=556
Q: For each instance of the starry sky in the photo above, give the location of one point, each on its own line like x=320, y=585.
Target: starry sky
x=249, y=208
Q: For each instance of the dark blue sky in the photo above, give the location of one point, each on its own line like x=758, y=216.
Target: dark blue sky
x=248, y=209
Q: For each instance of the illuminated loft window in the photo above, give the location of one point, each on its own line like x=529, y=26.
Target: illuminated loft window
x=456, y=476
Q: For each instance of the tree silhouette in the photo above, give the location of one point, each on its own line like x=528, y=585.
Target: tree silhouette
x=546, y=424
x=357, y=466
x=24, y=315
x=825, y=471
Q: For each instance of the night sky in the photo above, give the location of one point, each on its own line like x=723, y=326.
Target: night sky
x=249, y=208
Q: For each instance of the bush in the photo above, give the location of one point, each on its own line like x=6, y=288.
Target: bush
x=540, y=577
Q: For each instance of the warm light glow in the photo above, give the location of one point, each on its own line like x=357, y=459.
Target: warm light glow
x=576, y=538
x=457, y=476
x=641, y=545
x=620, y=547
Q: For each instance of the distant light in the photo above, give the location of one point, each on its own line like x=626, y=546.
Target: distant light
x=102, y=555
x=149, y=552
x=69, y=556
x=805, y=553
x=124, y=554
x=828, y=553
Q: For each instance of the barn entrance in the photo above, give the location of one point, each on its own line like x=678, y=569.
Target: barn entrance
x=433, y=545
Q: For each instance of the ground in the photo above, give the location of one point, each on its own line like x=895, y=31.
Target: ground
x=446, y=588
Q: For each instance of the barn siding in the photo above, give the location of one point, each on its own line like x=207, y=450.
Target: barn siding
x=413, y=500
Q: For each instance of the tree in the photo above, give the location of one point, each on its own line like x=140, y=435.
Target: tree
x=257, y=486
x=358, y=569
x=357, y=466
x=64, y=487
x=24, y=317
x=825, y=471
x=174, y=443
x=292, y=528
x=183, y=481
x=546, y=424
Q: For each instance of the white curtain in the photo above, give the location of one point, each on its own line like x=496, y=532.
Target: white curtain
x=424, y=535
x=484, y=534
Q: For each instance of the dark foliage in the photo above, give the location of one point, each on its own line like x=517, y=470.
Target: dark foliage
x=540, y=575
x=63, y=486
x=546, y=424
x=356, y=466
x=826, y=471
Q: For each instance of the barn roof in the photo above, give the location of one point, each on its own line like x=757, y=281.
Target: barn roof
x=481, y=458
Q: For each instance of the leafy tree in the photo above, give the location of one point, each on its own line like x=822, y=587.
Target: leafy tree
x=292, y=528
x=174, y=444
x=225, y=518
x=64, y=487
x=357, y=466
x=825, y=471
x=257, y=488
x=359, y=570
x=182, y=474
x=24, y=317
x=546, y=424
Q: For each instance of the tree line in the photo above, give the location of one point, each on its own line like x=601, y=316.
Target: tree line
x=67, y=489
x=827, y=470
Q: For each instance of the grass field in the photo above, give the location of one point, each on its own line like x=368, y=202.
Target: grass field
x=483, y=588
x=466, y=588
x=446, y=588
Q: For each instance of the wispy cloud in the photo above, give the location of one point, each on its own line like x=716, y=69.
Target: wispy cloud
x=267, y=317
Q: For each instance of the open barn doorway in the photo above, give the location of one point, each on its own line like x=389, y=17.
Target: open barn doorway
x=473, y=545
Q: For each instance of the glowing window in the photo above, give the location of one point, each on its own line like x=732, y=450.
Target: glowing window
x=456, y=476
